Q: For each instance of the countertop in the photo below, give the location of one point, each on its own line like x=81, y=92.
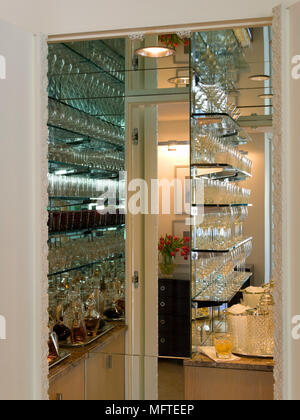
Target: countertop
x=245, y=363
x=79, y=354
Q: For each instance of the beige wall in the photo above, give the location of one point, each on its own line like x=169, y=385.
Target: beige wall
x=71, y=16
x=167, y=161
x=18, y=220
x=255, y=224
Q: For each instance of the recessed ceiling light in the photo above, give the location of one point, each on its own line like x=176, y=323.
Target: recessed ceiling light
x=155, y=52
x=266, y=96
x=182, y=80
x=260, y=77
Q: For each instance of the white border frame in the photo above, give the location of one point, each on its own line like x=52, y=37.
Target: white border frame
x=280, y=198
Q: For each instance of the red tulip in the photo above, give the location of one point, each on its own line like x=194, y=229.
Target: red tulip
x=177, y=249
x=170, y=237
x=183, y=254
x=173, y=254
x=168, y=243
x=175, y=238
x=186, y=240
x=186, y=258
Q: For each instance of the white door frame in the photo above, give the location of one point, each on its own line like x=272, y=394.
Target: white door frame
x=281, y=199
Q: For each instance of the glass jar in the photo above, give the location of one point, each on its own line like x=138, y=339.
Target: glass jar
x=92, y=317
x=261, y=333
x=237, y=325
x=79, y=333
x=252, y=298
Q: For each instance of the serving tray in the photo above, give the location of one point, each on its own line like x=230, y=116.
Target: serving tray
x=63, y=355
x=89, y=340
x=258, y=356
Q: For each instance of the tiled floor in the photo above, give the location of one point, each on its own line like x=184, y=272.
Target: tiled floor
x=170, y=380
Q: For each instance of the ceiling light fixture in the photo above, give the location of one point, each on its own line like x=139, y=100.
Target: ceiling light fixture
x=260, y=77
x=155, y=52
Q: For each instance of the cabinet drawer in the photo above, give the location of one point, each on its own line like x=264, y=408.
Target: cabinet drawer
x=174, y=288
x=70, y=386
x=106, y=372
x=175, y=307
x=175, y=346
x=174, y=324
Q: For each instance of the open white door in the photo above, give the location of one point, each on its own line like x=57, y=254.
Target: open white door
x=22, y=279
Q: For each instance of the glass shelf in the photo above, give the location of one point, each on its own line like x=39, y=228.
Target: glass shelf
x=221, y=205
x=226, y=297
x=229, y=172
x=86, y=231
x=216, y=55
x=77, y=139
x=86, y=200
x=81, y=267
x=84, y=112
x=223, y=125
x=225, y=250
x=87, y=57
x=81, y=170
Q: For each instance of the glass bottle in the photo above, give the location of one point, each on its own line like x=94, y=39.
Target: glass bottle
x=79, y=333
x=92, y=317
x=53, y=346
x=98, y=291
x=61, y=330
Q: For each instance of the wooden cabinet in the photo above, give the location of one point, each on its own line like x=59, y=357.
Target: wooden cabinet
x=174, y=314
x=245, y=379
x=98, y=374
x=69, y=386
x=105, y=372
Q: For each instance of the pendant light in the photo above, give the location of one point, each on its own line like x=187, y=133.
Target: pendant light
x=155, y=52
x=266, y=96
x=180, y=80
x=260, y=77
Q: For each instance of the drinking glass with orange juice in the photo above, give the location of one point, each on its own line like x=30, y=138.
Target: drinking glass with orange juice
x=224, y=345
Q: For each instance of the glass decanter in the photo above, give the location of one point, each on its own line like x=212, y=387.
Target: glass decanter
x=79, y=333
x=97, y=285
x=61, y=330
x=92, y=317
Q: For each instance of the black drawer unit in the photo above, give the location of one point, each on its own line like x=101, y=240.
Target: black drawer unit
x=174, y=313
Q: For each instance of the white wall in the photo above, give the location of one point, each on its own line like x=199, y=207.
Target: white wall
x=17, y=218
x=255, y=224
x=69, y=16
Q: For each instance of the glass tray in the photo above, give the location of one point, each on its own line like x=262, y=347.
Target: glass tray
x=258, y=356
x=63, y=355
x=90, y=340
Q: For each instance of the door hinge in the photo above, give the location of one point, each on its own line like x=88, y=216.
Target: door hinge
x=135, y=279
x=135, y=136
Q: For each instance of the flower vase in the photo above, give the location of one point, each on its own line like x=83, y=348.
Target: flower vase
x=167, y=266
